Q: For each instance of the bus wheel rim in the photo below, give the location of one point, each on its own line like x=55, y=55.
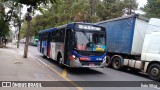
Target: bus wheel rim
x=60, y=61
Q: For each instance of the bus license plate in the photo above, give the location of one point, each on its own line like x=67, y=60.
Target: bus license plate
x=91, y=64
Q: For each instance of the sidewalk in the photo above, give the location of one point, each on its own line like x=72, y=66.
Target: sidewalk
x=13, y=67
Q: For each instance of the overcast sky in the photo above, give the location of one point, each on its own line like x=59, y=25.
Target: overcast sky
x=141, y=2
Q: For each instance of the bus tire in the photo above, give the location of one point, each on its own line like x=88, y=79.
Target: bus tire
x=108, y=61
x=44, y=56
x=154, y=71
x=116, y=63
x=59, y=59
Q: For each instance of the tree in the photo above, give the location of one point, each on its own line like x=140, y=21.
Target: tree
x=79, y=11
x=108, y=9
x=130, y=6
x=55, y=15
x=16, y=20
x=32, y=3
x=4, y=25
x=7, y=18
x=152, y=8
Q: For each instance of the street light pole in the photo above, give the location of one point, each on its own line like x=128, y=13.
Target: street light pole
x=28, y=19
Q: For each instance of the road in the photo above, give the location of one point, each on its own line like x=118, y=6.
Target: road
x=96, y=74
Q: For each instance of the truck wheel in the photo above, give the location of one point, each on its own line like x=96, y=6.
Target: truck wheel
x=154, y=72
x=108, y=61
x=116, y=63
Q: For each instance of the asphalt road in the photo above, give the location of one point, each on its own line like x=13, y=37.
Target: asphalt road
x=93, y=74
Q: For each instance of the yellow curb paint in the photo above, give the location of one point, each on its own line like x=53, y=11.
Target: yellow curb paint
x=67, y=79
x=64, y=73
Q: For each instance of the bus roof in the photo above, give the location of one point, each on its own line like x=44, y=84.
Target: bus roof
x=70, y=25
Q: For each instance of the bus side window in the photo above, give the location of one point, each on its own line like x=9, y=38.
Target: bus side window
x=53, y=36
x=62, y=35
x=58, y=36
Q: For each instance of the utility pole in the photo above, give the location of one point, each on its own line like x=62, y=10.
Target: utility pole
x=28, y=19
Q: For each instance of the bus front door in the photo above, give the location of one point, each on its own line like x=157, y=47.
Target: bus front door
x=68, y=45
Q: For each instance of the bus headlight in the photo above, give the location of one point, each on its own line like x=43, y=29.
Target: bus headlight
x=73, y=57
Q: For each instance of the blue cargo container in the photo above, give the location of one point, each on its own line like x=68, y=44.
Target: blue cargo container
x=133, y=42
x=125, y=35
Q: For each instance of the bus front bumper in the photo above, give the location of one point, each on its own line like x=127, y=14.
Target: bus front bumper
x=78, y=64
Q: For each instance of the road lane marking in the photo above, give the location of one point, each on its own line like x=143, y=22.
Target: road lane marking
x=51, y=65
x=61, y=75
x=64, y=73
x=41, y=61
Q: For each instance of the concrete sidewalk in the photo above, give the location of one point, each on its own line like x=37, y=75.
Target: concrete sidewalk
x=13, y=67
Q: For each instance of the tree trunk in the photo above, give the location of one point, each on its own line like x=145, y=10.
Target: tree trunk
x=27, y=40
x=0, y=41
x=18, y=37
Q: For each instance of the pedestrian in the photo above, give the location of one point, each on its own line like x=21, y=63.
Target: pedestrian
x=5, y=41
x=2, y=41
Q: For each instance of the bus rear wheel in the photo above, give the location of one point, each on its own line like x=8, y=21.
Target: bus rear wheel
x=116, y=63
x=154, y=72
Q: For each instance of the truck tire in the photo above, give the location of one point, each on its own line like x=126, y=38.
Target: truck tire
x=154, y=72
x=116, y=63
x=108, y=61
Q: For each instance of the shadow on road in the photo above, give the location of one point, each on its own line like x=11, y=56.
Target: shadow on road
x=134, y=72
x=83, y=71
x=51, y=61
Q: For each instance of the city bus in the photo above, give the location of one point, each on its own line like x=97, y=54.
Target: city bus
x=75, y=45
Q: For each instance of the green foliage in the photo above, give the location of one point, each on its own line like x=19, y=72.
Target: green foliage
x=4, y=26
x=78, y=11
x=34, y=3
x=108, y=9
x=152, y=8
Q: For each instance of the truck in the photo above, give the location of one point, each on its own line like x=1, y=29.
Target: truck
x=133, y=42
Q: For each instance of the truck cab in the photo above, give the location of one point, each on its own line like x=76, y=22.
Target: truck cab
x=151, y=49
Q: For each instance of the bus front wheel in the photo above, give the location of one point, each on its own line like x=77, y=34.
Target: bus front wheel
x=154, y=72
x=59, y=59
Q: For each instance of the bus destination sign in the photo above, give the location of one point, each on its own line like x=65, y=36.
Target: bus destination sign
x=87, y=27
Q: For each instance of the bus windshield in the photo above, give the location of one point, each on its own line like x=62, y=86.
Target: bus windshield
x=90, y=41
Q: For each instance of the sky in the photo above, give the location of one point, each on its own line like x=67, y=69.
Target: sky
x=141, y=2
